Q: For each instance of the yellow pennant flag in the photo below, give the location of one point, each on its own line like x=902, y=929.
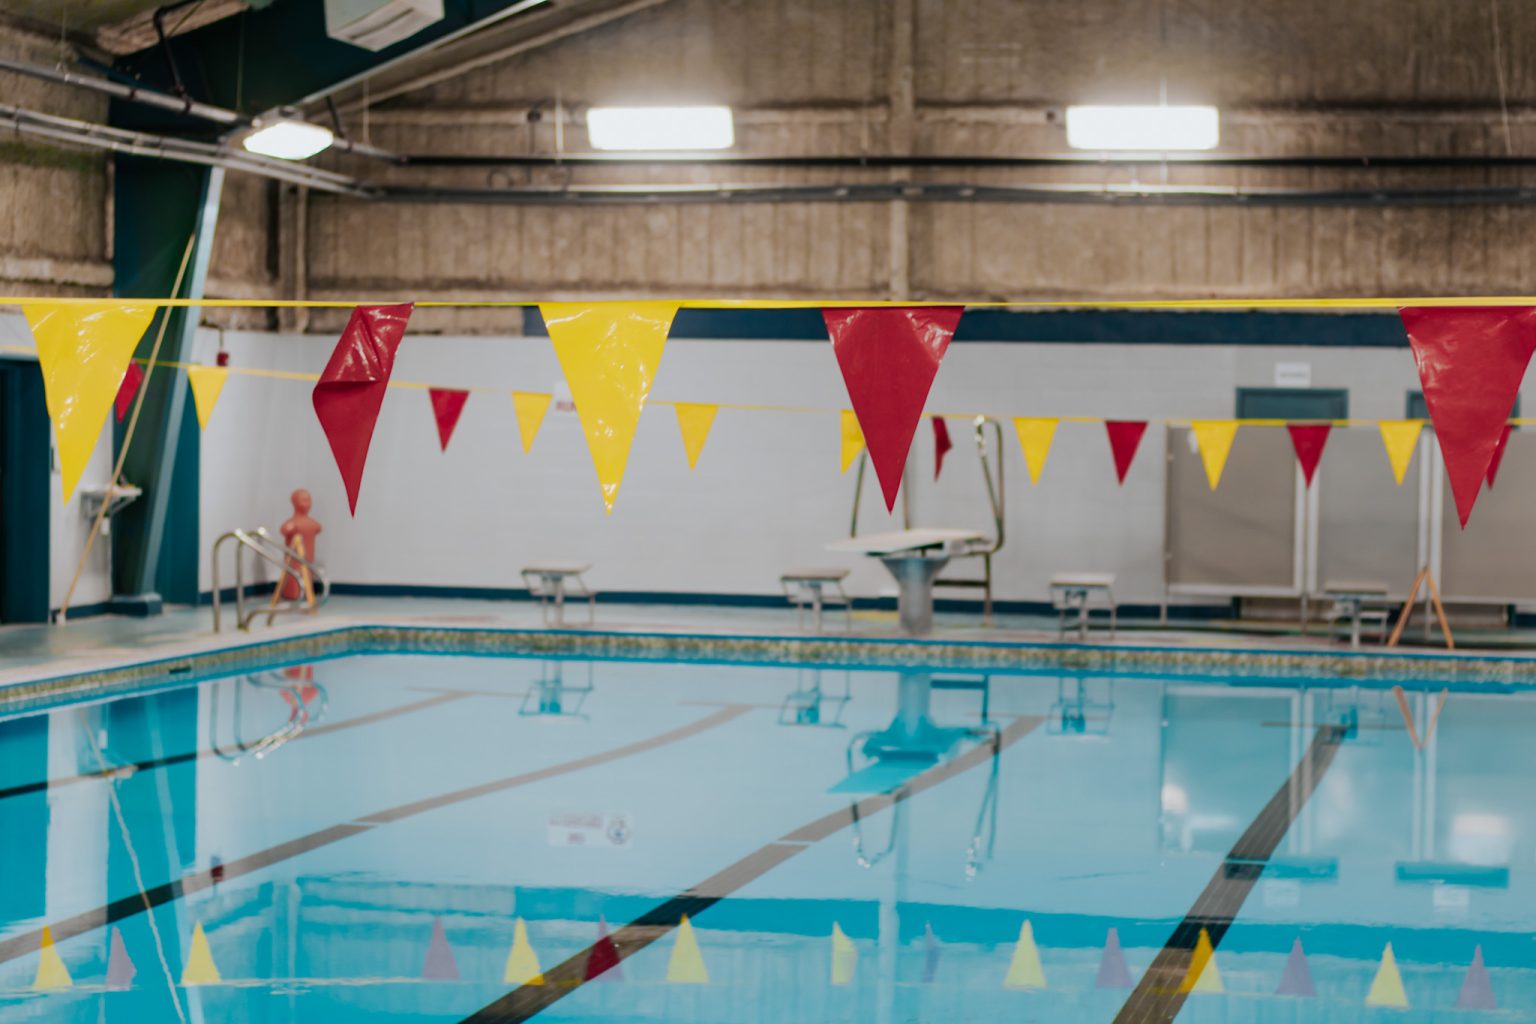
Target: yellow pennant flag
x=609, y=352
x=694, y=421
x=686, y=965
x=845, y=956
x=1215, y=440
x=1203, y=974
x=1035, y=437
x=852, y=438
x=530, y=410
x=207, y=384
x=1387, y=986
x=83, y=351
x=200, y=968
x=1024, y=969
x=522, y=962
x=51, y=972
x=1400, y=437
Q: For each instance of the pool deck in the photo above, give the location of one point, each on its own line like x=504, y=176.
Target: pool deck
x=33, y=652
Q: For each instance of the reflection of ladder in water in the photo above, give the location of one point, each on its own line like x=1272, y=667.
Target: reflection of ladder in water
x=979, y=850
x=303, y=709
x=806, y=705
x=550, y=697
x=992, y=474
x=290, y=562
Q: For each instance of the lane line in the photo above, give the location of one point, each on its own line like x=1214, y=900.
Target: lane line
x=1157, y=998
x=19, y=945
x=527, y=1000
x=135, y=767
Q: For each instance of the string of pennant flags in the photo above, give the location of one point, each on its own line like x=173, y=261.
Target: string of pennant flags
x=686, y=965
x=1471, y=356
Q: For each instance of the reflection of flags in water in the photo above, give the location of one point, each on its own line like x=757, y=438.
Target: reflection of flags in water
x=440, y=964
x=1297, y=979
x=603, y=960
x=1113, y=972
x=930, y=942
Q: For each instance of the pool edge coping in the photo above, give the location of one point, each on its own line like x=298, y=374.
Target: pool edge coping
x=206, y=658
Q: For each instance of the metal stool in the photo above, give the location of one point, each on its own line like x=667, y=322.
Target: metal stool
x=1073, y=591
x=548, y=584
x=808, y=587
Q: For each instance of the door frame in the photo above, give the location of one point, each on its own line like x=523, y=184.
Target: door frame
x=25, y=509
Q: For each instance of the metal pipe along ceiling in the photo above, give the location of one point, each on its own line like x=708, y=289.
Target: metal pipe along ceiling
x=103, y=137
x=130, y=93
x=119, y=140
x=1120, y=195
x=877, y=161
x=165, y=101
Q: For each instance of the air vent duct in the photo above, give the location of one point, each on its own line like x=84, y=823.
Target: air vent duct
x=376, y=24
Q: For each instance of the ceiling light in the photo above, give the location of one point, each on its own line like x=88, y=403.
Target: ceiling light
x=653, y=129
x=287, y=138
x=1145, y=129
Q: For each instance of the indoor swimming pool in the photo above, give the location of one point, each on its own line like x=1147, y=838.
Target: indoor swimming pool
x=447, y=838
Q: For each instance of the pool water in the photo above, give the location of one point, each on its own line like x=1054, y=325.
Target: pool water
x=431, y=838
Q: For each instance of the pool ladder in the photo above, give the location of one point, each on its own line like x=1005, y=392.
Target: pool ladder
x=273, y=551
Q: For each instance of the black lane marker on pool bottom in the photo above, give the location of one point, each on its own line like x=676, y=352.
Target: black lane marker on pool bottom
x=197, y=755
x=28, y=942
x=527, y=1000
x=1160, y=994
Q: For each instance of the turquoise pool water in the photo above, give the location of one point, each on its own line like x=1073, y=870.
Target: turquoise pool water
x=411, y=837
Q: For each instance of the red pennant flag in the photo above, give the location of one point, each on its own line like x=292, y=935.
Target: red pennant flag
x=447, y=404
x=603, y=959
x=941, y=445
x=351, y=388
x=1471, y=361
x=1124, y=439
x=889, y=356
x=1498, y=456
x=1308, y=439
x=132, y=378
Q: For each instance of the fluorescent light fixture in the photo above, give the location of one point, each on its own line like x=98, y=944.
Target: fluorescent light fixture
x=653, y=129
x=287, y=138
x=1144, y=129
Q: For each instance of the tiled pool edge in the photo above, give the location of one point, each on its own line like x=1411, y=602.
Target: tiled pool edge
x=1471, y=670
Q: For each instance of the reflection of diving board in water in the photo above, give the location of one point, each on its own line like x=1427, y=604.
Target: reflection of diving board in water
x=914, y=558
x=887, y=761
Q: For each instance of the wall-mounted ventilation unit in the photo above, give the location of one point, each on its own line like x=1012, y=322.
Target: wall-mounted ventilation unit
x=375, y=24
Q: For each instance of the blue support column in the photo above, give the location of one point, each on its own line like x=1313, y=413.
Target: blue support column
x=157, y=211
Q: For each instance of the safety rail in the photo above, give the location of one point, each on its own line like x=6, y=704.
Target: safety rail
x=273, y=551
x=992, y=473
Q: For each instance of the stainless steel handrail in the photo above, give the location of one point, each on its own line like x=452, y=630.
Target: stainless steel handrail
x=270, y=549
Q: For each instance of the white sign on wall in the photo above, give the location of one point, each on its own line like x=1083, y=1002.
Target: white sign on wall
x=1293, y=375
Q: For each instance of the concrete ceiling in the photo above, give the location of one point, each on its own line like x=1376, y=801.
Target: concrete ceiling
x=78, y=15
x=123, y=26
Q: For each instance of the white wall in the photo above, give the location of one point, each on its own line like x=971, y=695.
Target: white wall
x=767, y=494
x=67, y=527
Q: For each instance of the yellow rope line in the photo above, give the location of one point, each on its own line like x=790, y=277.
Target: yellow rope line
x=1173, y=421
x=1388, y=303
